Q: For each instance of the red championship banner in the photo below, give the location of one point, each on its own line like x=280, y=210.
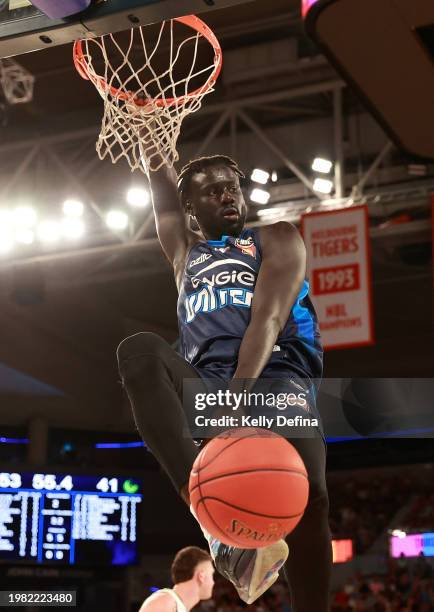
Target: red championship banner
x=339, y=271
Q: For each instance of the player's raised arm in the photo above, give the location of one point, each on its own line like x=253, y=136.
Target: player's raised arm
x=170, y=219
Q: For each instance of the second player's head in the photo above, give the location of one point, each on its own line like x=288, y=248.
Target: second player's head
x=193, y=564
x=210, y=191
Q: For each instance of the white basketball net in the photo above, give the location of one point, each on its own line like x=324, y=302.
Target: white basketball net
x=139, y=124
x=16, y=82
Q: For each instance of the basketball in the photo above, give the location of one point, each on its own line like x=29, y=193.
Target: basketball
x=249, y=487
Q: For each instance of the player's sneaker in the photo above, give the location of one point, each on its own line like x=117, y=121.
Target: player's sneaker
x=251, y=571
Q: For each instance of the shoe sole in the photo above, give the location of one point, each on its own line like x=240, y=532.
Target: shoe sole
x=268, y=562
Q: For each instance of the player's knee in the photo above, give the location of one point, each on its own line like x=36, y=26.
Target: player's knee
x=138, y=354
x=144, y=343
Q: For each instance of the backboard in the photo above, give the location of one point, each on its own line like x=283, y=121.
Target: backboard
x=24, y=28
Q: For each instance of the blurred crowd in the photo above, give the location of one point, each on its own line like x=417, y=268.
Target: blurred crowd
x=362, y=511
x=403, y=589
x=420, y=515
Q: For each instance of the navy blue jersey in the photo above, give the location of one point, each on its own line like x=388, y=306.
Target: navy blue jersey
x=214, y=311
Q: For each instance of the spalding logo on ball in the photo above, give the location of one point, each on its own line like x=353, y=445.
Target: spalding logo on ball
x=270, y=534
x=249, y=487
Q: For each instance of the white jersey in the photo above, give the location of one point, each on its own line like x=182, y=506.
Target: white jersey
x=179, y=604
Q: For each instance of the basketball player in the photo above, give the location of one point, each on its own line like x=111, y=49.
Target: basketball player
x=193, y=576
x=257, y=321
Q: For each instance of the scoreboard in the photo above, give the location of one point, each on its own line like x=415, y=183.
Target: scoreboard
x=66, y=519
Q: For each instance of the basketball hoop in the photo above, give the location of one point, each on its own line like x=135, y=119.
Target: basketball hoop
x=144, y=109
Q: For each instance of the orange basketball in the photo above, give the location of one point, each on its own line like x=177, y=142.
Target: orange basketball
x=249, y=487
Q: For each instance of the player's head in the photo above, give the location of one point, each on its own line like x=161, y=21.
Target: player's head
x=210, y=191
x=193, y=564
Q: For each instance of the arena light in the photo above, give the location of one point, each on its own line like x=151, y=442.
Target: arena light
x=271, y=212
x=342, y=551
x=305, y=6
x=259, y=196
x=260, y=176
x=117, y=220
x=120, y=445
x=417, y=169
x=323, y=185
x=322, y=165
x=73, y=208
x=6, y=243
x=274, y=176
x=24, y=216
x=25, y=235
x=48, y=231
x=5, y=220
x=412, y=545
x=14, y=440
x=72, y=227
x=137, y=197
x=398, y=533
